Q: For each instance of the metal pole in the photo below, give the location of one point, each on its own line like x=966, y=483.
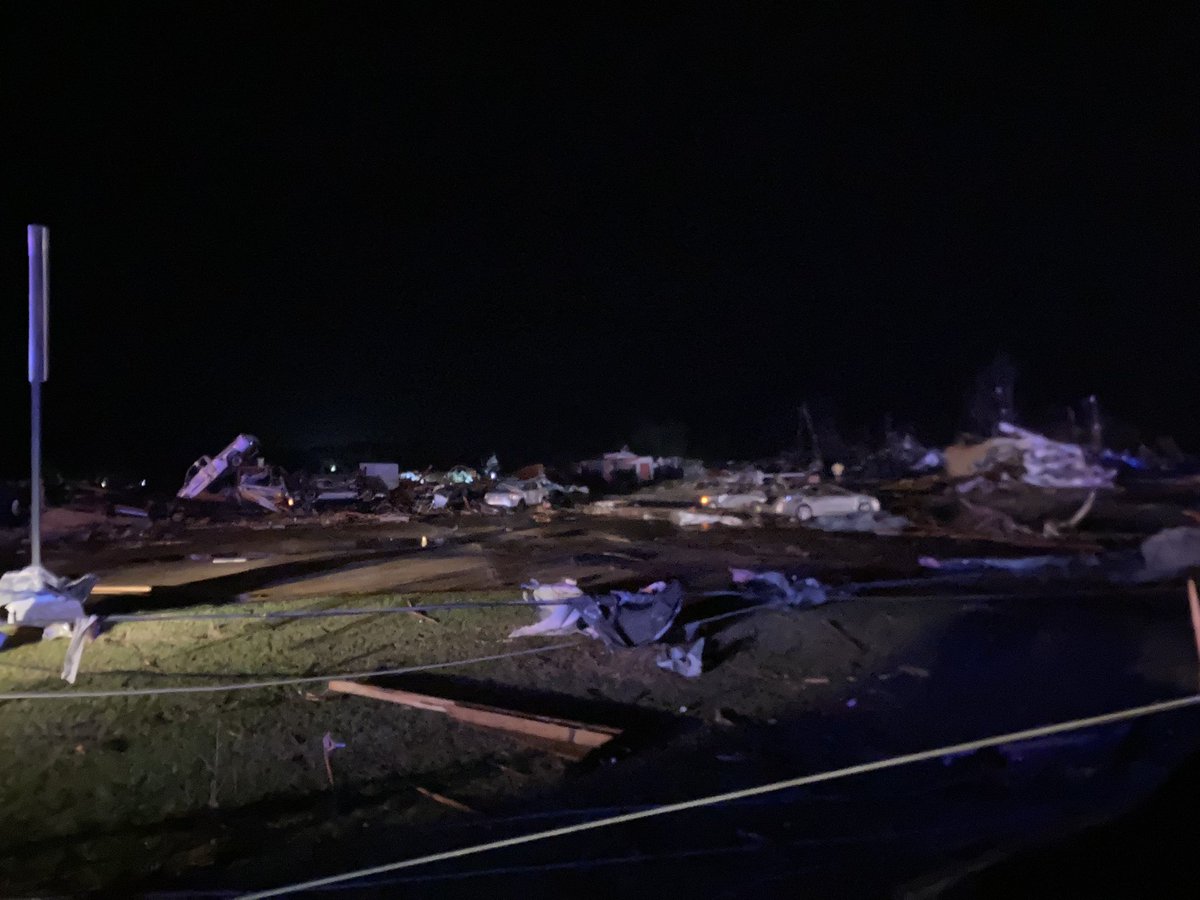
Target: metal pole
x=35, y=477
x=39, y=314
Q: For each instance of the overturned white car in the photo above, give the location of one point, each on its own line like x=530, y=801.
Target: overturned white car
x=815, y=500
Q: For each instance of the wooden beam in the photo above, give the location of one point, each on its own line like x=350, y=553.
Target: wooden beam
x=445, y=801
x=1194, y=606
x=562, y=736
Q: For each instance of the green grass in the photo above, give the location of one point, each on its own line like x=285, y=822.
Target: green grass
x=127, y=767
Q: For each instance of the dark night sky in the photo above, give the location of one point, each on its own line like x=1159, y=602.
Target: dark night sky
x=534, y=236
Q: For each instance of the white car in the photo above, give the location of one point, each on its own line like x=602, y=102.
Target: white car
x=512, y=494
x=745, y=501
x=814, y=500
x=516, y=494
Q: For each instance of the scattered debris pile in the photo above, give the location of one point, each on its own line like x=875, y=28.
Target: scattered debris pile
x=35, y=597
x=618, y=618
x=1028, y=457
x=32, y=597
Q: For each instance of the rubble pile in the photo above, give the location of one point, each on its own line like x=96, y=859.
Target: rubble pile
x=1028, y=457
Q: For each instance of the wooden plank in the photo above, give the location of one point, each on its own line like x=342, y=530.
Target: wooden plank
x=1194, y=606
x=445, y=801
x=405, y=698
x=563, y=736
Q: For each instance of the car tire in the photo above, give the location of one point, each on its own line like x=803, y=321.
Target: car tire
x=804, y=512
x=865, y=507
x=234, y=459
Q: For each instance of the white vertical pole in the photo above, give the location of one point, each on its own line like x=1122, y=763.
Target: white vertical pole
x=39, y=361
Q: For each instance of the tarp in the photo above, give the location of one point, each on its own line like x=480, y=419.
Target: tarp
x=33, y=596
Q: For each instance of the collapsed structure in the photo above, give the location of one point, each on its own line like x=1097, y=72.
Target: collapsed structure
x=1029, y=457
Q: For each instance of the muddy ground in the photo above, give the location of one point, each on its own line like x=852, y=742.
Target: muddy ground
x=225, y=792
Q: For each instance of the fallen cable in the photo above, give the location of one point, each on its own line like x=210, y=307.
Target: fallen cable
x=859, y=769
x=275, y=682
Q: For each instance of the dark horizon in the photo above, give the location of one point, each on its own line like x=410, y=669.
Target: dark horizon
x=455, y=238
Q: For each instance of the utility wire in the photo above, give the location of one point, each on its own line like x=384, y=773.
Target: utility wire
x=275, y=682
x=666, y=809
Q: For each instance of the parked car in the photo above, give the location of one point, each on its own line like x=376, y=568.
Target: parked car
x=513, y=494
x=518, y=494
x=753, y=502
x=814, y=500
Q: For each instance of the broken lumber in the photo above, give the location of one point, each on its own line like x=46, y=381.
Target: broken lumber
x=564, y=737
x=444, y=800
x=1194, y=606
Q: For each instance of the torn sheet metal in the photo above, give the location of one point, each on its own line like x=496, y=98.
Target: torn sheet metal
x=685, y=661
x=35, y=597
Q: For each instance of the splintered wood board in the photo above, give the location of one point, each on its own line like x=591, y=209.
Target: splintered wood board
x=564, y=737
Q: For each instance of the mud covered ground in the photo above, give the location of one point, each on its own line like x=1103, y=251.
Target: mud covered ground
x=225, y=792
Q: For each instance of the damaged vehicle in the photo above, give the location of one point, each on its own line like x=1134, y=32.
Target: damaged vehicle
x=512, y=494
x=228, y=476
x=753, y=502
x=817, y=500
x=209, y=469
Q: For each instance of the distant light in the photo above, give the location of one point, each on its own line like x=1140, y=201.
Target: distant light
x=332, y=469
x=291, y=501
x=143, y=482
x=103, y=482
x=424, y=541
x=705, y=500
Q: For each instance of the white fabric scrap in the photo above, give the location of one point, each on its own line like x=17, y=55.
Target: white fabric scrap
x=555, y=618
x=81, y=635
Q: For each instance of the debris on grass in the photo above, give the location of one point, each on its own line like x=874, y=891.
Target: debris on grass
x=618, y=618
x=564, y=737
x=444, y=800
x=777, y=588
x=687, y=519
x=328, y=745
x=685, y=661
